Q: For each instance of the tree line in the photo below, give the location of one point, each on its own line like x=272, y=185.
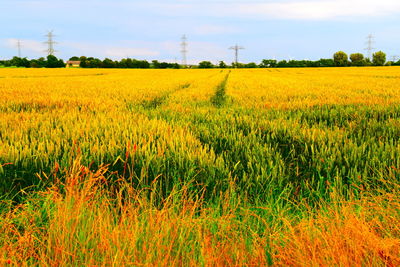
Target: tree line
x=49, y=62
x=340, y=59
x=125, y=63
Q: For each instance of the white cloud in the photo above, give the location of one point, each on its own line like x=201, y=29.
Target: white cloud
x=321, y=10
x=112, y=51
x=27, y=46
x=214, y=29
x=121, y=52
x=289, y=9
x=197, y=51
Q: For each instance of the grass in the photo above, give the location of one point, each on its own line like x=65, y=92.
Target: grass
x=85, y=218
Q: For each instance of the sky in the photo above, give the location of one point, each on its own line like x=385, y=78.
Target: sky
x=152, y=29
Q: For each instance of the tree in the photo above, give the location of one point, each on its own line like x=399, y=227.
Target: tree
x=93, y=63
x=144, y=64
x=177, y=66
x=379, y=58
x=205, y=65
x=251, y=65
x=222, y=65
x=83, y=60
x=238, y=65
x=368, y=62
x=54, y=62
x=357, y=59
x=268, y=63
x=164, y=65
x=20, y=62
x=155, y=64
x=282, y=64
x=340, y=58
x=108, y=63
x=323, y=62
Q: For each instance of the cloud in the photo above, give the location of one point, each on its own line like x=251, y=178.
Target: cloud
x=112, y=51
x=198, y=51
x=321, y=10
x=289, y=9
x=27, y=46
x=264, y=9
x=214, y=29
x=120, y=52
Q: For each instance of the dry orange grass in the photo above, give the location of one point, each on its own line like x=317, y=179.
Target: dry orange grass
x=359, y=233
x=78, y=222
x=83, y=225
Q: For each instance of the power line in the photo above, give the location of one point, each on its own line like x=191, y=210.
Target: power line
x=50, y=43
x=236, y=48
x=19, y=48
x=370, y=42
x=184, y=50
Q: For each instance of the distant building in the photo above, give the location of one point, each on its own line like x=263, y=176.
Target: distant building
x=73, y=64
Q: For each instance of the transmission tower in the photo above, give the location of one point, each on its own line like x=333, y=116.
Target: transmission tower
x=395, y=58
x=370, y=42
x=236, y=48
x=19, y=48
x=184, y=50
x=50, y=43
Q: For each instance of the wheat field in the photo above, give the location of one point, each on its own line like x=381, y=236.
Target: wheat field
x=242, y=167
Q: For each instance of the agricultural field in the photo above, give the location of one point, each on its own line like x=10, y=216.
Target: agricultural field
x=245, y=167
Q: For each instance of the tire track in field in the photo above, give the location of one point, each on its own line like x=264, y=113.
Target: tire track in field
x=219, y=98
x=156, y=101
x=160, y=100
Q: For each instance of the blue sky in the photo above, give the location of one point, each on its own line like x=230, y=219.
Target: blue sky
x=297, y=29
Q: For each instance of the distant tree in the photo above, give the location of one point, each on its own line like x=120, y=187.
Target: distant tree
x=238, y=65
x=340, y=58
x=298, y=63
x=144, y=64
x=164, y=65
x=325, y=62
x=379, y=58
x=205, y=65
x=222, y=65
x=4, y=63
x=368, y=62
x=177, y=66
x=123, y=64
x=54, y=62
x=251, y=65
x=20, y=62
x=42, y=62
x=83, y=63
x=357, y=59
x=74, y=58
x=282, y=64
x=268, y=63
x=34, y=64
x=93, y=63
x=155, y=64
x=108, y=63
